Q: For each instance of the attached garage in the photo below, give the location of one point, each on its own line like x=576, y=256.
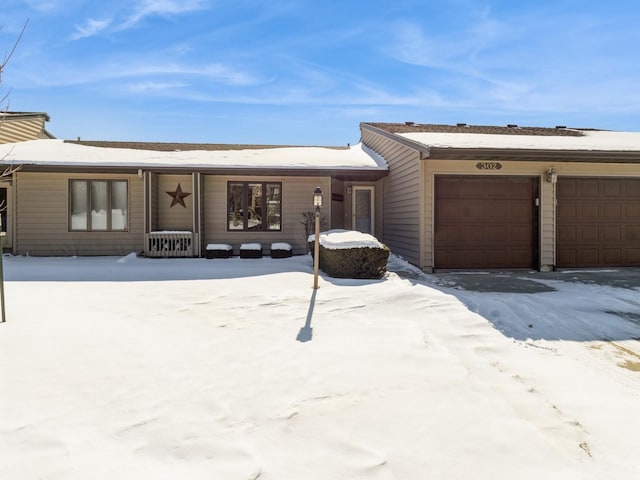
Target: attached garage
x=489, y=197
x=598, y=222
x=485, y=221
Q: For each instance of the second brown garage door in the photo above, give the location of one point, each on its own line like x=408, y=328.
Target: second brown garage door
x=485, y=222
x=598, y=222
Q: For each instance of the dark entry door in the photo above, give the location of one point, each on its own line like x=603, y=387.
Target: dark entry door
x=485, y=222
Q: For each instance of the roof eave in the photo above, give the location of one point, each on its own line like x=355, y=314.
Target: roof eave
x=516, y=154
x=420, y=147
x=362, y=174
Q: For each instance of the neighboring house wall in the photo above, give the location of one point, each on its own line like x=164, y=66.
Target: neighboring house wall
x=297, y=198
x=401, y=197
x=21, y=129
x=42, y=217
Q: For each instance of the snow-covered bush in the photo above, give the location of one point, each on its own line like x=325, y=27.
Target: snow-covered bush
x=350, y=254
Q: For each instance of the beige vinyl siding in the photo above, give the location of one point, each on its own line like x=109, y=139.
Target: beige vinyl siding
x=547, y=226
x=176, y=217
x=42, y=218
x=379, y=206
x=297, y=197
x=402, y=195
x=20, y=130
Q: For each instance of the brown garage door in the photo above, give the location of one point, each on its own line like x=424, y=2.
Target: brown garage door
x=598, y=222
x=485, y=222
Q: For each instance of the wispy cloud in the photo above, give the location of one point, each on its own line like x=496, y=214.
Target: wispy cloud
x=43, y=5
x=126, y=18
x=147, y=8
x=69, y=75
x=155, y=87
x=90, y=28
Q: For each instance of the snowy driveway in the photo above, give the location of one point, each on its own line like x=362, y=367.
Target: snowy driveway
x=234, y=369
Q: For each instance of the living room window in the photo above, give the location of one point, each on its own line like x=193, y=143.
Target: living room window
x=254, y=206
x=98, y=205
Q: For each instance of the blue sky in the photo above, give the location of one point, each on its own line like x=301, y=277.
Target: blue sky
x=307, y=72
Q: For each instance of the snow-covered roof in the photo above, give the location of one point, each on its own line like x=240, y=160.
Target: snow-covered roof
x=66, y=154
x=590, y=140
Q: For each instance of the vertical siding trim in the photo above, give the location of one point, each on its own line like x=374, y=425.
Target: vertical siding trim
x=195, y=189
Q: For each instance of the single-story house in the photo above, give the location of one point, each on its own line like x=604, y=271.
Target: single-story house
x=168, y=199
x=440, y=196
x=461, y=196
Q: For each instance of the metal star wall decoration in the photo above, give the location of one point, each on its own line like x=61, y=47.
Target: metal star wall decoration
x=178, y=197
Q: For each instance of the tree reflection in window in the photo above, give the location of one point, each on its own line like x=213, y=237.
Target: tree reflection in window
x=254, y=206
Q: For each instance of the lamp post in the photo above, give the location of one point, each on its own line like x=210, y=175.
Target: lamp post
x=317, y=202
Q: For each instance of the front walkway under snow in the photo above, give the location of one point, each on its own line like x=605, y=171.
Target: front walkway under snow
x=236, y=369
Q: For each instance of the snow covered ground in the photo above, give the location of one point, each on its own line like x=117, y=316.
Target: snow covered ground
x=130, y=368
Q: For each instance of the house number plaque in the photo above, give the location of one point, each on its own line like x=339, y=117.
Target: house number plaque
x=488, y=166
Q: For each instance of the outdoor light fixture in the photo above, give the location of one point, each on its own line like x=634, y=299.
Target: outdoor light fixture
x=317, y=202
x=317, y=197
x=551, y=176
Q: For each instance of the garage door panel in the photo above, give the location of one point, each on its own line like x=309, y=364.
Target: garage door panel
x=489, y=225
x=632, y=212
x=448, y=210
x=612, y=212
x=472, y=189
x=633, y=256
x=610, y=188
x=520, y=209
x=598, y=222
x=494, y=212
x=613, y=256
x=632, y=233
x=589, y=211
x=631, y=190
x=588, y=234
x=520, y=257
x=473, y=211
x=587, y=188
x=567, y=209
x=521, y=236
x=566, y=188
x=612, y=233
x=568, y=233
x=496, y=234
x=567, y=256
x=495, y=259
x=589, y=256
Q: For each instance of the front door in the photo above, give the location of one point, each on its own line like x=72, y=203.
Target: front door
x=363, y=209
